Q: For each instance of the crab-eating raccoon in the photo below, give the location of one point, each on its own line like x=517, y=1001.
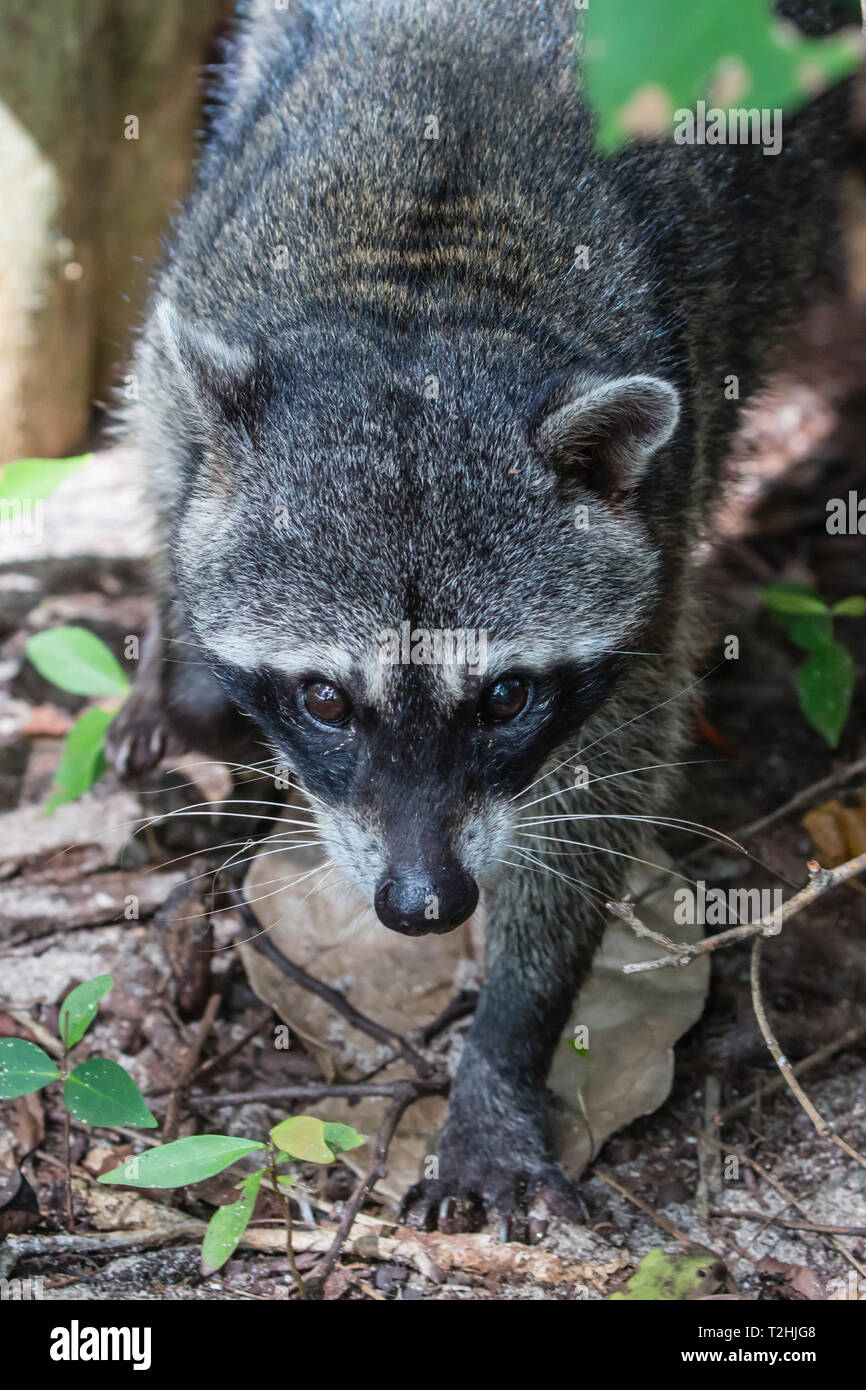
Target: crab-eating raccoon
x=432, y=403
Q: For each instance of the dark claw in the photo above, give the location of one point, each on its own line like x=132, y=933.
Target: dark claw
x=136, y=741
x=521, y=1203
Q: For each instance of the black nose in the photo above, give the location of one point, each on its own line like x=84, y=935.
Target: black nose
x=415, y=902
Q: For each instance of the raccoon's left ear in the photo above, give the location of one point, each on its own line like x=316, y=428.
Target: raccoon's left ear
x=217, y=377
x=606, y=436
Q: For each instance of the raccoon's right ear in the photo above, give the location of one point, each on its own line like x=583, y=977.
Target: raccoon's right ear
x=605, y=437
x=216, y=377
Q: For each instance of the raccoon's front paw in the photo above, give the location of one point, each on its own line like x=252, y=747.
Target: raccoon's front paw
x=138, y=737
x=520, y=1196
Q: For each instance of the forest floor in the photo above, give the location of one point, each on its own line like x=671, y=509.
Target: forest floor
x=65, y=882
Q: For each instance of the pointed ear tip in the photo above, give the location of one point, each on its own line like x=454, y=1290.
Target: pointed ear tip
x=165, y=312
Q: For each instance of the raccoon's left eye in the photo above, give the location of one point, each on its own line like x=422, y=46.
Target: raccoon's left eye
x=325, y=702
x=505, y=698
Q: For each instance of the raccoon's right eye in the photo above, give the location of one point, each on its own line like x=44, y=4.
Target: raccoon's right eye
x=326, y=702
x=505, y=698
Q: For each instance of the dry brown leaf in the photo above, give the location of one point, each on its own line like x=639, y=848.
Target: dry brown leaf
x=798, y=1278
x=838, y=832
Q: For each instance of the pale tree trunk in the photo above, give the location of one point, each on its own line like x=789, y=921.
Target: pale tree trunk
x=83, y=203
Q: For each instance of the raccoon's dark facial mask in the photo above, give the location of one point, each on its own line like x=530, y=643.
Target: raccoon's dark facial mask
x=322, y=513
x=413, y=792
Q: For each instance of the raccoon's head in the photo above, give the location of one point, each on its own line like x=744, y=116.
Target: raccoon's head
x=417, y=584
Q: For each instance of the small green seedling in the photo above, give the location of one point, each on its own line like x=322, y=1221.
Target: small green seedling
x=76, y=660
x=96, y=1092
x=70, y=657
x=301, y=1138
x=825, y=682
x=101, y=1092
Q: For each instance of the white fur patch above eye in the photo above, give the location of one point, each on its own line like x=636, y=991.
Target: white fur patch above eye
x=250, y=650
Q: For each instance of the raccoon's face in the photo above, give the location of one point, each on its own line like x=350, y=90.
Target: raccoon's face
x=418, y=606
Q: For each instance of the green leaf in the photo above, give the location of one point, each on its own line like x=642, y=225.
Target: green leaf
x=825, y=685
x=181, y=1162
x=100, y=1092
x=228, y=1224
x=809, y=630
x=78, y=1009
x=24, y=1068
x=792, y=598
x=675, y=55
x=83, y=760
x=853, y=607
x=303, y=1137
x=32, y=479
x=665, y=1277
x=581, y=1051
x=78, y=661
x=343, y=1137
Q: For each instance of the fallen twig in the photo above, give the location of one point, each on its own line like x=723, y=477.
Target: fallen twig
x=769, y=1220
x=378, y=1169
x=778, y=1083
x=803, y=798
x=709, y=1158
x=433, y=1085
x=783, y=1192
x=655, y=1216
x=682, y=953
x=42, y=1035
x=822, y=1127
x=190, y=1062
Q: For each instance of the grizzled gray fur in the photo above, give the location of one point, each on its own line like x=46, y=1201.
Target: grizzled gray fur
x=380, y=384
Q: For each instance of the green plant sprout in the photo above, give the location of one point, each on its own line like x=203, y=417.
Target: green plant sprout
x=71, y=658
x=101, y=1092
x=79, y=662
x=642, y=63
x=825, y=682
x=96, y=1092
x=301, y=1138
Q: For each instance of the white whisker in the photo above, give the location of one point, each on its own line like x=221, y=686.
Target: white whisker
x=648, y=767
x=580, y=752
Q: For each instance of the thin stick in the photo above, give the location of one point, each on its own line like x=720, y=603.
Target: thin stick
x=655, y=1216
x=783, y=1192
x=175, y=1100
x=804, y=797
x=770, y=1220
x=432, y=1085
x=378, y=1169
x=778, y=1083
x=709, y=1158
x=287, y=1207
x=67, y=1161
x=820, y=882
x=822, y=1127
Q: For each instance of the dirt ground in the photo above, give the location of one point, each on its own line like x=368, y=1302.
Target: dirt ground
x=66, y=882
